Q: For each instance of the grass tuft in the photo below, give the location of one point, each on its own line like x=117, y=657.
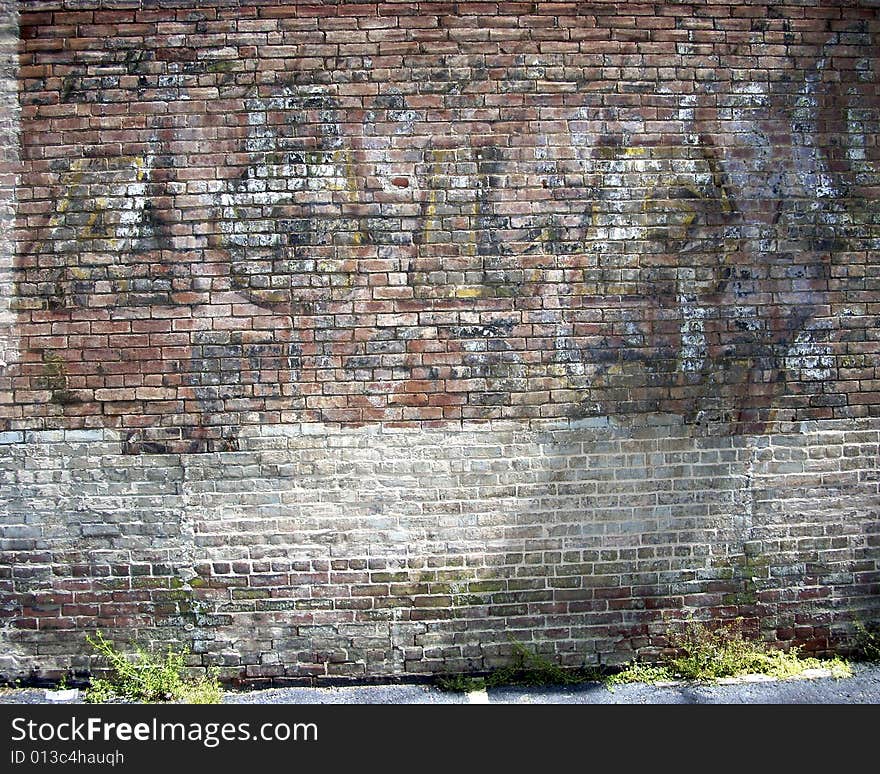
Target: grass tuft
x=147, y=678
x=707, y=652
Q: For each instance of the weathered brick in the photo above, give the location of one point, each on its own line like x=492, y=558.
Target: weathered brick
x=420, y=324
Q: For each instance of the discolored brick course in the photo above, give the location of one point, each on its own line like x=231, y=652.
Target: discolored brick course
x=354, y=339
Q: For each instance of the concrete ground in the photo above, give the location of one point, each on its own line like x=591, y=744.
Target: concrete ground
x=862, y=688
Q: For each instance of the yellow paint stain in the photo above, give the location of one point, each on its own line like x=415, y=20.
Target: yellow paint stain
x=432, y=223
x=635, y=151
x=726, y=206
x=470, y=247
x=431, y=208
x=470, y=292
x=89, y=228
x=436, y=183
x=139, y=164
x=683, y=208
x=350, y=177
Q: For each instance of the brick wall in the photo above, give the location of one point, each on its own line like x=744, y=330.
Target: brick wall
x=356, y=339
x=9, y=158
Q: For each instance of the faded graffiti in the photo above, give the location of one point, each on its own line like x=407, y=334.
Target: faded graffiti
x=343, y=269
